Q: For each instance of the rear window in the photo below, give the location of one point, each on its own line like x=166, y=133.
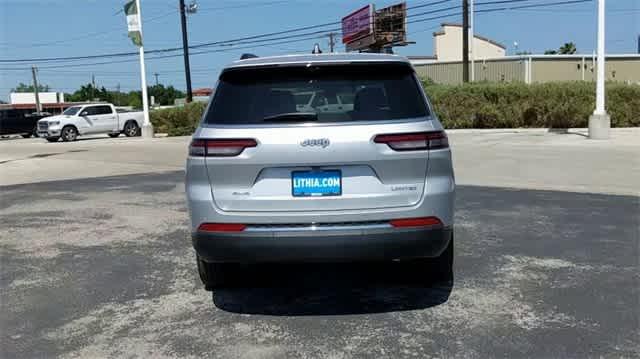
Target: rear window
x=340, y=93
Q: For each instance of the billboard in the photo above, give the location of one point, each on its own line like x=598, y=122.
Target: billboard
x=371, y=30
x=358, y=24
x=391, y=25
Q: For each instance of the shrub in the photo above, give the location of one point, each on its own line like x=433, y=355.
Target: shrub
x=555, y=105
x=178, y=121
x=484, y=105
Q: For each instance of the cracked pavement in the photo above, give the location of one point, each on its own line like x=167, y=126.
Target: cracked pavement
x=103, y=267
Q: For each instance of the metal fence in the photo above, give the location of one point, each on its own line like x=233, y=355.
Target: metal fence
x=535, y=68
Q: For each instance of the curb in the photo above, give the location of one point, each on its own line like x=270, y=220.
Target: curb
x=633, y=130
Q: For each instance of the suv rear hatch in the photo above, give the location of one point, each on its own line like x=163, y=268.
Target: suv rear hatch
x=262, y=154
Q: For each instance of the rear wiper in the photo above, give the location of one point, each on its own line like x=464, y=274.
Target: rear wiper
x=292, y=117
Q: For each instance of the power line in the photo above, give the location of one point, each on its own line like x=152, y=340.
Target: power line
x=268, y=37
x=230, y=7
x=86, y=36
x=435, y=17
x=496, y=2
x=428, y=4
x=202, y=45
x=241, y=40
x=533, y=5
x=168, y=56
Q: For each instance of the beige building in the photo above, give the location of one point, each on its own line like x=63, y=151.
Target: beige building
x=533, y=68
x=447, y=45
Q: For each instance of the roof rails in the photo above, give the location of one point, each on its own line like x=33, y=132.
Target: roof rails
x=248, y=56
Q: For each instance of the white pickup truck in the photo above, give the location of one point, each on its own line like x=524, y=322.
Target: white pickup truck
x=89, y=119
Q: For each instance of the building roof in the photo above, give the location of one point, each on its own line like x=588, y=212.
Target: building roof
x=423, y=57
x=55, y=105
x=479, y=37
x=203, y=91
x=318, y=59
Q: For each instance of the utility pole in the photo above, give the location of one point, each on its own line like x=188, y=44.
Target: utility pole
x=93, y=87
x=332, y=42
x=185, y=48
x=472, y=47
x=34, y=70
x=600, y=122
x=156, y=75
x=465, y=41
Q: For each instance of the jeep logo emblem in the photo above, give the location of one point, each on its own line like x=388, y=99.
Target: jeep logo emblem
x=309, y=142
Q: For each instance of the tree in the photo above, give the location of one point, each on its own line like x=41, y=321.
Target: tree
x=164, y=95
x=89, y=93
x=134, y=99
x=29, y=88
x=568, y=48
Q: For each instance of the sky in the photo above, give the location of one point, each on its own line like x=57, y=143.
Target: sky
x=60, y=28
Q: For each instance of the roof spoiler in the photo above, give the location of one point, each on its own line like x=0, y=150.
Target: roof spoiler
x=248, y=56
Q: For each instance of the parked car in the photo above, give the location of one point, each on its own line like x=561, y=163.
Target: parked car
x=268, y=183
x=19, y=122
x=90, y=119
x=325, y=102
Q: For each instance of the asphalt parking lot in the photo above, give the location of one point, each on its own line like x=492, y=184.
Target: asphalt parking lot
x=96, y=261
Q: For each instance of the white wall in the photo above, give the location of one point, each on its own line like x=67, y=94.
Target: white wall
x=30, y=97
x=448, y=46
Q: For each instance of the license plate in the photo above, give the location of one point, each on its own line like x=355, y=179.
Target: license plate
x=316, y=183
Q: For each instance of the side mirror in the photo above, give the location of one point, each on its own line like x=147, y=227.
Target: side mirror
x=84, y=113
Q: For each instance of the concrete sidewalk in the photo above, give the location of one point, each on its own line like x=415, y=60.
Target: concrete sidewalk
x=531, y=159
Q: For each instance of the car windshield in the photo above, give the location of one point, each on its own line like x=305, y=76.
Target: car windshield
x=336, y=93
x=71, y=110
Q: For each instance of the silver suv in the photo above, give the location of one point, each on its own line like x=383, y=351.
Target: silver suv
x=366, y=174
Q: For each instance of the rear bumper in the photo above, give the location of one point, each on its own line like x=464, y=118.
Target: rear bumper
x=324, y=245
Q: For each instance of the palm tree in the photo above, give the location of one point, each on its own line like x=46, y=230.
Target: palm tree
x=568, y=48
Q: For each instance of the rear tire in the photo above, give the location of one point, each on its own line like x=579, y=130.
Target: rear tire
x=53, y=139
x=434, y=270
x=131, y=129
x=215, y=275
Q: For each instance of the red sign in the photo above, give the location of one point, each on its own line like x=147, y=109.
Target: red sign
x=357, y=24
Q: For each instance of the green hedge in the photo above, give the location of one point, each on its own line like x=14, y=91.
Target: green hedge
x=178, y=121
x=511, y=105
x=484, y=105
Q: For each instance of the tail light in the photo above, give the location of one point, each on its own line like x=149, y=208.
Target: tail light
x=219, y=148
x=416, y=222
x=221, y=227
x=414, y=141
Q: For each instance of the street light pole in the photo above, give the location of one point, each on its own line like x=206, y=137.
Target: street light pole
x=600, y=122
x=147, y=127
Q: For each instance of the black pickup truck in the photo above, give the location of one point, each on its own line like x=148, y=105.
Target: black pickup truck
x=19, y=122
